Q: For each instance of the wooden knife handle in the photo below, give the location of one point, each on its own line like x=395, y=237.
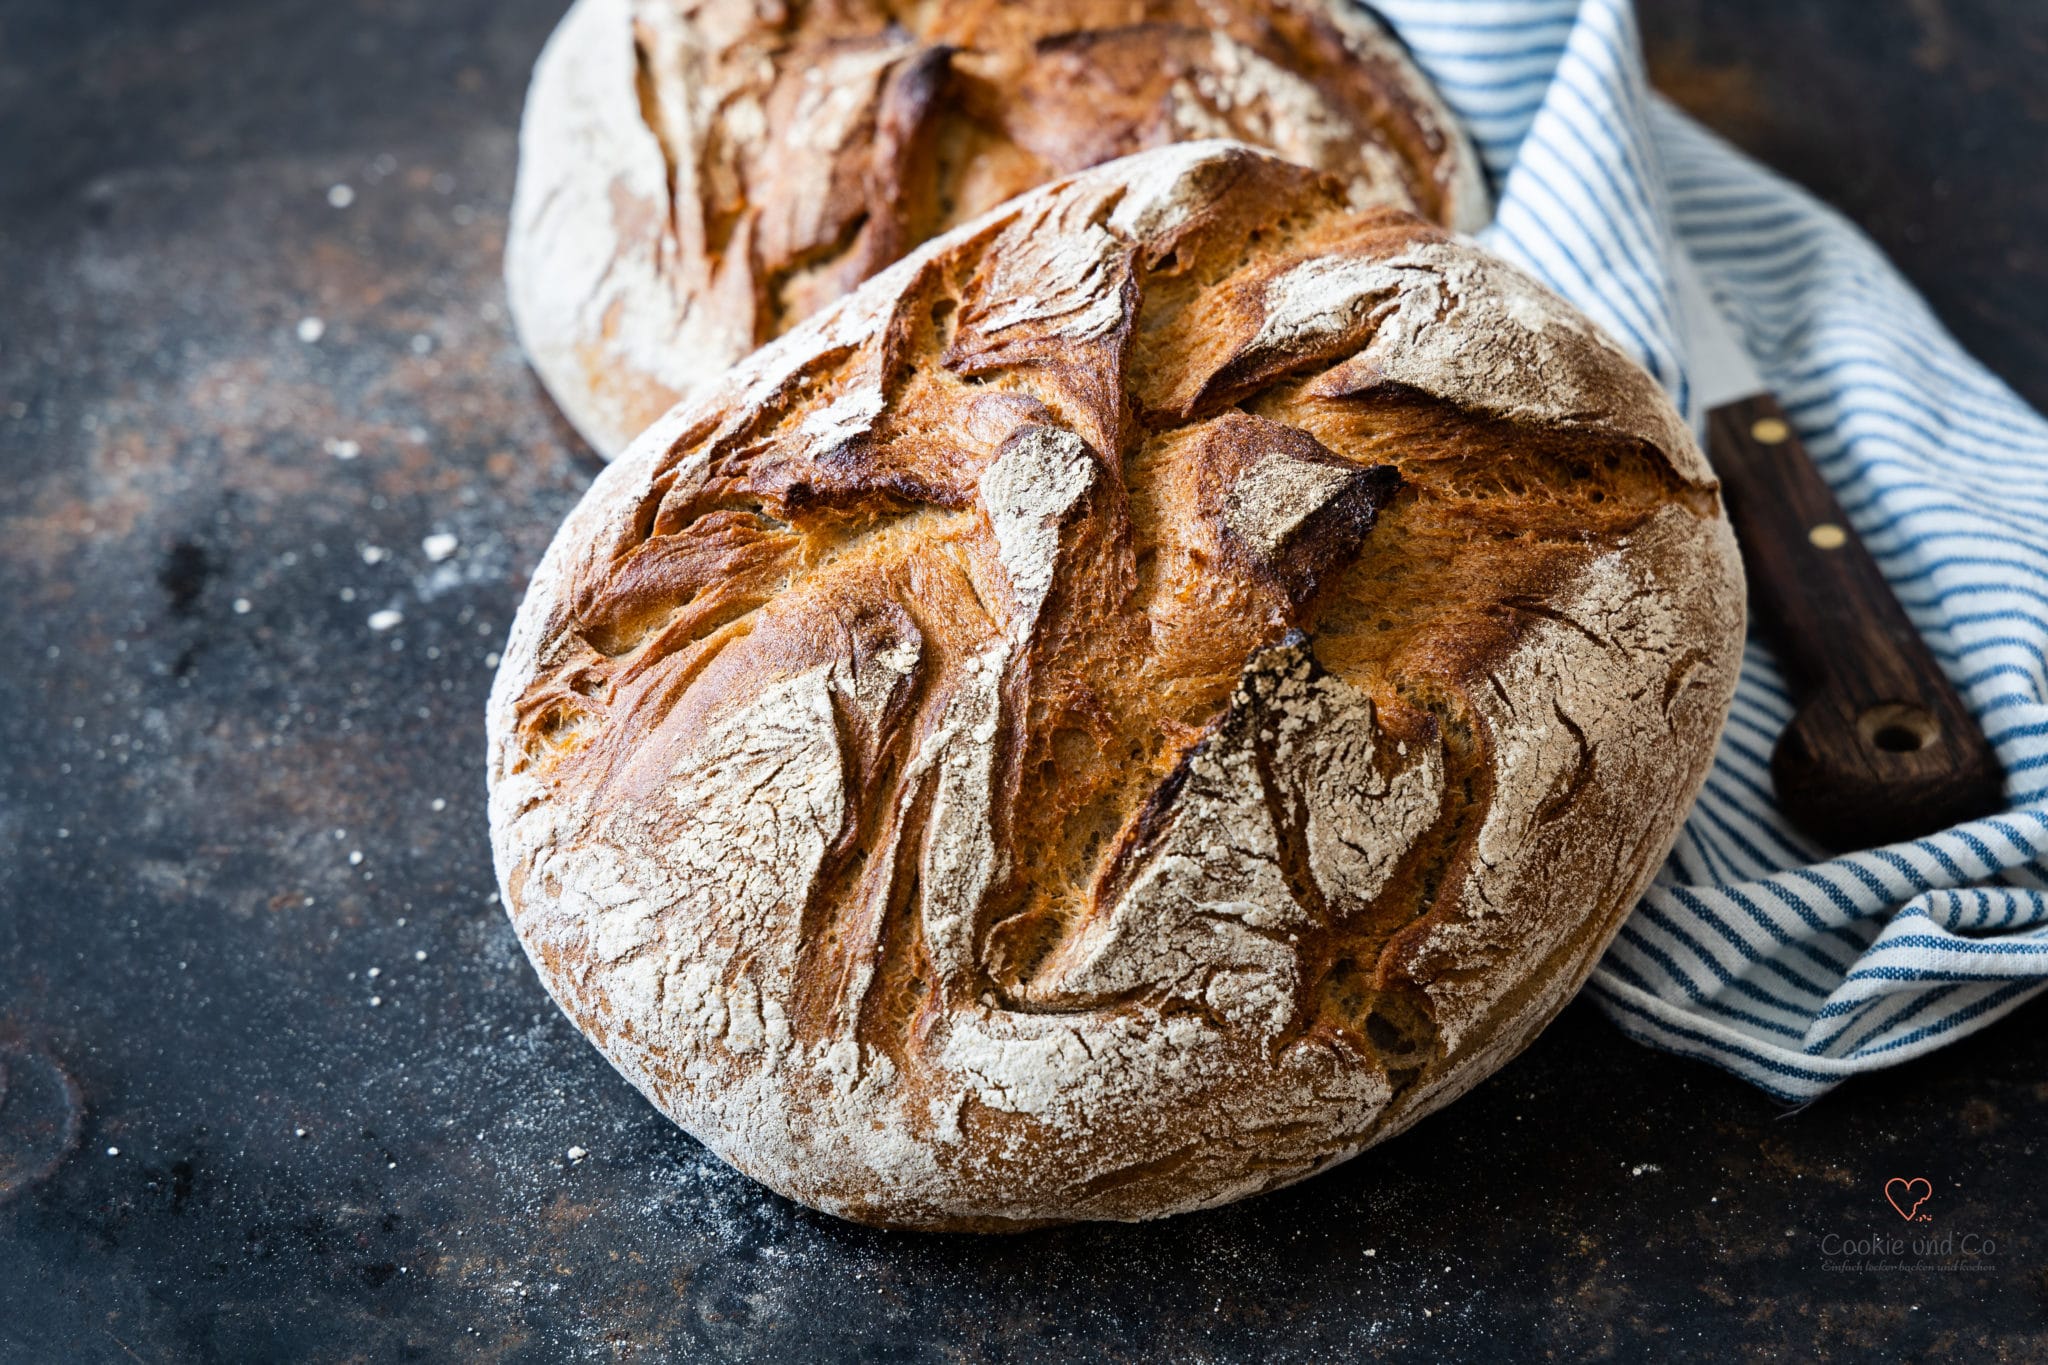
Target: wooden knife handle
x=1882, y=748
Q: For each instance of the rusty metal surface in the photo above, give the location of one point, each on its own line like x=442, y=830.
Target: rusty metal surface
x=278, y=1084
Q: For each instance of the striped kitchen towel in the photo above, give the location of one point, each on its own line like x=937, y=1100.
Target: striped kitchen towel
x=1753, y=950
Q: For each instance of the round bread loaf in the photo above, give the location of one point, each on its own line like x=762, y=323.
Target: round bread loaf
x=696, y=176
x=1151, y=694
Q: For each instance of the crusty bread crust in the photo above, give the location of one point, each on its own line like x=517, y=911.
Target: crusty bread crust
x=1151, y=694
x=695, y=176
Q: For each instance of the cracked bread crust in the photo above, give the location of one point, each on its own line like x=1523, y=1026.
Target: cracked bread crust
x=696, y=176
x=1153, y=693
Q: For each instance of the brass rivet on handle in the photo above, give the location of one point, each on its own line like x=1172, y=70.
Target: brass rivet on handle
x=1828, y=536
x=1770, y=431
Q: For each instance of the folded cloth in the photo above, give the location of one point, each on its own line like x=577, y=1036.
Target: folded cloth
x=1752, y=949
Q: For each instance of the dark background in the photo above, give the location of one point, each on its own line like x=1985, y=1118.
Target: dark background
x=199, y=734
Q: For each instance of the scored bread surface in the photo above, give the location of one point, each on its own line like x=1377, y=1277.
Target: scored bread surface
x=1156, y=691
x=696, y=176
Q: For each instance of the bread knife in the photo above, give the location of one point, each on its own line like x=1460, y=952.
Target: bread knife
x=1881, y=747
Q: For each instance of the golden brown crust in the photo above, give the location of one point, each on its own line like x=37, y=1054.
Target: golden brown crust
x=698, y=175
x=1156, y=691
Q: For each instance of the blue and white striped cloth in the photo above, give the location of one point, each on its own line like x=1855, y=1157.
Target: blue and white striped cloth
x=1752, y=950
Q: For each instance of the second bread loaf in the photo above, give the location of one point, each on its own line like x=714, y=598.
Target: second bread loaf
x=695, y=176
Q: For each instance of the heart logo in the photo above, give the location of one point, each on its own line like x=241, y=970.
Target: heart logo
x=1907, y=1195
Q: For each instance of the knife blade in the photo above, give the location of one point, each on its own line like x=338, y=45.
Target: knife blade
x=1717, y=365
x=1881, y=747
